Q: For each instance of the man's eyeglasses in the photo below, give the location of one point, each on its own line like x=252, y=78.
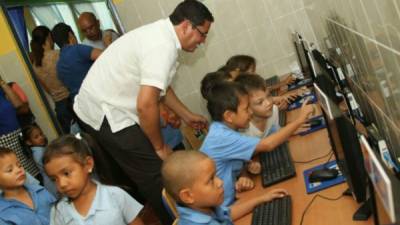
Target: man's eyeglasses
x=203, y=34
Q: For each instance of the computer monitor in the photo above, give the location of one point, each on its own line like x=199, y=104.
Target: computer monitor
x=302, y=58
x=314, y=69
x=327, y=86
x=346, y=147
x=323, y=101
x=383, y=183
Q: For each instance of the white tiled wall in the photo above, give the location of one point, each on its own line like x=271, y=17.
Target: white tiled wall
x=260, y=28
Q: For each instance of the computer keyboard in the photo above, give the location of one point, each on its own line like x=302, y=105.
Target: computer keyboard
x=276, y=165
x=275, y=212
x=282, y=118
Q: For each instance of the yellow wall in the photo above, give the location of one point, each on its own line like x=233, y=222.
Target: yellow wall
x=14, y=68
x=7, y=43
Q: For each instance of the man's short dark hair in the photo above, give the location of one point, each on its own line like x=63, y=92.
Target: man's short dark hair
x=194, y=11
x=251, y=82
x=60, y=34
x=223, y=97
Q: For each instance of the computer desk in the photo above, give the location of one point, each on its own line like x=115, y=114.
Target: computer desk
x=321, y=212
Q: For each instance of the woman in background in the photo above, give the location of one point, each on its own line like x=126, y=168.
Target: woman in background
x=44, y=59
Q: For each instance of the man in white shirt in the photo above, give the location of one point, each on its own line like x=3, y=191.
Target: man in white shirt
x=118, y=103
x=94, y=36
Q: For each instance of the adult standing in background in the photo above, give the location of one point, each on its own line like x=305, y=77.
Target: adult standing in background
x=10, y=106
x=94, y=36
x=118, y=102
x=75, y=59
x=44, y=60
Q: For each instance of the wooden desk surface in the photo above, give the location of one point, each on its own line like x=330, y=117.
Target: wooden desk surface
x=321, y=212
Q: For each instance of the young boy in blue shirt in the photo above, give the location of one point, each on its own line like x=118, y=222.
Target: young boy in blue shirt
x=190, y=178
x=228, y=105
x=21, y=203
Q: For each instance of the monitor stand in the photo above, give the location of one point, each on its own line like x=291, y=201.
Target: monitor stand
x=365, y=210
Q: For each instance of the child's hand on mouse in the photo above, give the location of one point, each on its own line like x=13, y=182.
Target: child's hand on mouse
x=244, y=184
x=254, y=167
x=271, y=195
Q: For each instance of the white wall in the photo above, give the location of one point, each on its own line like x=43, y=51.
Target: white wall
x=260, y=28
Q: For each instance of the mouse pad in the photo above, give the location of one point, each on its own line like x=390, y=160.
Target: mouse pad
x=299, y=103
x=318, y=186
x=316, y=128
x=307, y=81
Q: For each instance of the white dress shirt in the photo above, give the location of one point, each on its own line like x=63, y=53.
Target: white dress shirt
x=145, y=56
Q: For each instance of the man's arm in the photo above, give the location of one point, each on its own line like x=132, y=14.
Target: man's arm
x=149, y=117
x=194, y=120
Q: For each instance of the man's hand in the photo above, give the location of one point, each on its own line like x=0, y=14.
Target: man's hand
x=107, y=39
x=196, y=121
x=164, y=152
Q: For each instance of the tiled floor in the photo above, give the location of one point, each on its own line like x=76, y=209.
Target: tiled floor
x=148, y=216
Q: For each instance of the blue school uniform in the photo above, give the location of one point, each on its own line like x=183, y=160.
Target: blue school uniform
x=16, y=212
x=37, y=154
x=73, y=65
x=111, y=205
x=230, y=150
x=188, y=216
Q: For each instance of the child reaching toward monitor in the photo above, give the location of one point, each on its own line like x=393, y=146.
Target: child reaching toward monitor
x=69, y=162
x=190, y=178
x=21, y=203
x=265, y=115
x=228, y=105
x=37, y=141
x=238, y=64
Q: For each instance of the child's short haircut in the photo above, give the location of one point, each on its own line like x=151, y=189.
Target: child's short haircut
x=223, y=97
x=241, y=62
x=210, y=79
x=179, y=171
x=6, y=151
x=251, y=82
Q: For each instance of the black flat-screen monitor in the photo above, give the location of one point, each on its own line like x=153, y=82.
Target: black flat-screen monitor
x=301, y=56
x=346, y=147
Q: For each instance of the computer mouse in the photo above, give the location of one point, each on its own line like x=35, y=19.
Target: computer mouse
x=322, y=175
x=314, y=123
x=297, y=98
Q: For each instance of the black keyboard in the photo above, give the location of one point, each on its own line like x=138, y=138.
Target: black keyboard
x=275, y=212
x=282, y=118
x=276, y=165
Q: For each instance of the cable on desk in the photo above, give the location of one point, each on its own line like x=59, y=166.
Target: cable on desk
x=321, y=157
x=312, y=200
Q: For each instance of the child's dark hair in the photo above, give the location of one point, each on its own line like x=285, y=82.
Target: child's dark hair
x=6, y=151
x=27, y=131
x=68, y=144
x=210, y=79
x=241, y=62
x=251, y=82
x=39, y=37
x=60, y=34
x=224, y=96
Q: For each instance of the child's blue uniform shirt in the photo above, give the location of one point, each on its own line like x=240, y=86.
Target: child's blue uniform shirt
x=229, y=149
x=16, y=212
x=111, y=205
x=188, y=216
